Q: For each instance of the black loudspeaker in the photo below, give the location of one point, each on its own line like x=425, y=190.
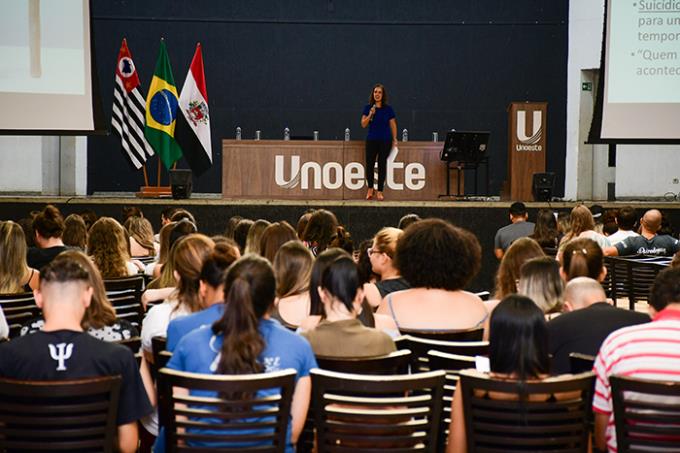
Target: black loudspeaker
x=180, y=184
x=542, y=186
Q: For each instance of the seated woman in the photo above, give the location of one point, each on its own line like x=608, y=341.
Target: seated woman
x=546, y=232
x=75, y=232
x=438, y=260
x=140, y=232
x=15, y=275
x=293, y=268
x=518, y=350
x=100, y=319
x=540, y=281
x=273, y=237
x=582, y=227
x=48, y=229
x=316, y=307
x=249, y=291
x=340, y=333
x=381, y=254
x=108, y=246
x=582, y=258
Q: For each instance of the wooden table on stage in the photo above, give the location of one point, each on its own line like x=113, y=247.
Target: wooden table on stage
x=327, y=170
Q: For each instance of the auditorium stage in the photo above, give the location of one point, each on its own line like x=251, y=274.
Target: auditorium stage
x=362, y=218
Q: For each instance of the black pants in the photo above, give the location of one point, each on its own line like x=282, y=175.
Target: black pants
x=381, y=150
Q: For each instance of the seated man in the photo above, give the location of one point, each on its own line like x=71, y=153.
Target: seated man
x=648, y=243
x=646, y=351
x=63, y=351
x=625, y=220
x=589, y=320
x=519, y=227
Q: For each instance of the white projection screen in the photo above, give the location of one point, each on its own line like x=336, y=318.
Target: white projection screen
x=640, y=90
x=47, y=79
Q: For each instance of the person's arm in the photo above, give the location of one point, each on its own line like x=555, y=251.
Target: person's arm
x=372, y=294
x=457, y=439
x=147, y=380
x=601, y=421
x=299, y=407
x=393, y=128
x=611, y=251
x=366, y=119
x=128, y=437
x=34, y=281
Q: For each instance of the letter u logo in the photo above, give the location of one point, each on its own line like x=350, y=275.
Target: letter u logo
x=537, y=131
x=279, y=164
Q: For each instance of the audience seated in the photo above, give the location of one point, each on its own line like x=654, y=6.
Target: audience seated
x=302, y=223
x=438, y=260
x=293, y=269
x=545, y=231
x=210, y=291
x=75, y=232
x=241, y=233
x=15, y=275
x=254, y=235
x=140, y=234
x=320, y=231
x=99, y=319
x=522, y=250
x=582, y=258
x=63, y=351
x=645, y=351
x=625, y=220
x=154, y=269
x=519, y=227
x=48, y=228
x=340, y=333
x=231, y=226
x=108, y=246
x=273, y=237
x=407, y=220
x=180, y=214
x=540, y=281
x=245, y=340
x=381, y=255
x=518, y=350
x=649, y=242
x=583, y=227
x=589, y=317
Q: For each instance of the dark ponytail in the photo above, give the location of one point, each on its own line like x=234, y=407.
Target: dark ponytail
x=249, y=291
x=49, y=223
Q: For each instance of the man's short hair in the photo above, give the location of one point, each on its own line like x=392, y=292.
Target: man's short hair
x=626, y=218
x=666, y=289
x=63, y=270
x=518, y=209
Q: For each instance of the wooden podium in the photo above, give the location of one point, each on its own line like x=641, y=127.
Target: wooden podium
x=526, y=146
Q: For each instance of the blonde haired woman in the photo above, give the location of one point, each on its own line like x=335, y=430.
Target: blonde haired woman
x=140, y=232
x=108, y=247
x=582, y=227
x=381, y=253
x=15, y=275
x=293, y=269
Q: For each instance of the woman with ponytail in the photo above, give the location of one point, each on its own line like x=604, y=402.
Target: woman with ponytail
x=582, y=258
x=245, y=340
x=48, y=227
x=340, y=333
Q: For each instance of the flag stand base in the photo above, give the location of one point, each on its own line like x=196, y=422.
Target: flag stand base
x=154, y=192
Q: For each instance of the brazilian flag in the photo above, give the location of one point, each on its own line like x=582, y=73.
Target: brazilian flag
x=161, y=111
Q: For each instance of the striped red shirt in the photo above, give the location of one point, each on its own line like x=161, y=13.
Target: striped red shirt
x=645, y=351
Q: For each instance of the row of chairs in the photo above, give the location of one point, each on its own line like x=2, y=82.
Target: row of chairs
x=632, y=277
x=352, y=412
x=125, y=295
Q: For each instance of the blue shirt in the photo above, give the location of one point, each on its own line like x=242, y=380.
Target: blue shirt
x=198, y=352
x=181, y=326
x=379, y=127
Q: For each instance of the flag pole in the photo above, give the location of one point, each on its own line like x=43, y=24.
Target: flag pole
x=159, y=172
x=146, y=175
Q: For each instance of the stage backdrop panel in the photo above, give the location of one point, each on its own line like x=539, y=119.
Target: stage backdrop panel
x=328, y=170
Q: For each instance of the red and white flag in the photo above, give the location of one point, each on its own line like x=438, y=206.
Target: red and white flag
x=193, y=125
x=129, y=109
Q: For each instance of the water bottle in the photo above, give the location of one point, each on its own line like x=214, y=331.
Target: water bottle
x=347, y=134
x=404, y=135
x=316, y=136
x=238, y=133
x=435, y=137
x=286, y=134
x=258, y=134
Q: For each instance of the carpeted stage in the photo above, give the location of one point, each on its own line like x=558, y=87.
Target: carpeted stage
x=362, y=218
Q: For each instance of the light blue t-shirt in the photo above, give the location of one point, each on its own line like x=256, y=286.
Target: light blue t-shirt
x=198, y=352
x=181, y=326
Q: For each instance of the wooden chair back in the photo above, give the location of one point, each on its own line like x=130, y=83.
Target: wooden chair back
x=452, y=364
x=135, y=345
x=394, y=363
x=580, y=363
x=74, y=415
x=445, y=335
x=420, y=346
x=646, y=414
x=160, y=354
x=206, y=417
x=18, y=309
x=354, y=412
x=125, y=295
x=505, y=415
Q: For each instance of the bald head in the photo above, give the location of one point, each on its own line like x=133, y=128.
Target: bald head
x=582, y=292
x=651, y=221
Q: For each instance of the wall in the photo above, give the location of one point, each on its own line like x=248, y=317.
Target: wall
x=309, y=65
